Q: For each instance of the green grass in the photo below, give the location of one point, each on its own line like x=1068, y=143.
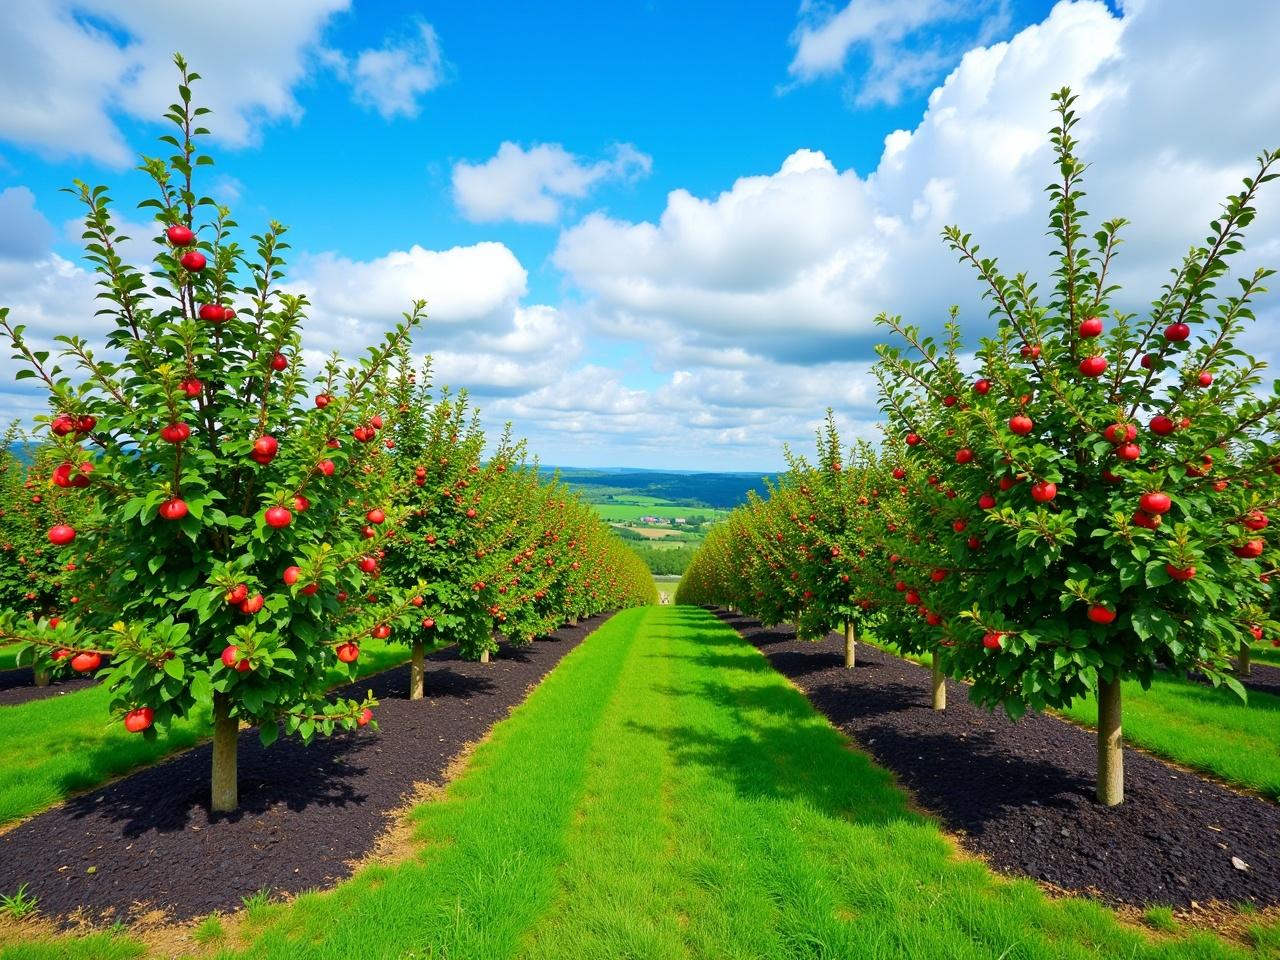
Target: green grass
x=62, y=745
x=8, y=656
x=665, y=794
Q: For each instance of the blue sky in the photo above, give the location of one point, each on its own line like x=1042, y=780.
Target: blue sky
x=663, y=311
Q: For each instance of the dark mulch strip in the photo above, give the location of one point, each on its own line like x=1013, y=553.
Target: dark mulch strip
x=18, y=686
x=1021, y=794
x=305, y=812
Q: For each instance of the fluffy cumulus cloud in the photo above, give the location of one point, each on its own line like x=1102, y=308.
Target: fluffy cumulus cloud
x=531, y=186
x=391, y=79
x=901, y=45
x=68, y=66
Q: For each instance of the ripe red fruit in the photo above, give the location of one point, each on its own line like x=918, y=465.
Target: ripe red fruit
x=1147, y=360
x=1007, y=483
x=175, y=433
x=375, y=516
x=949, y=400
x=175, y=508
x=1093, y=366
x=376, y=421
x=347, y=652
x=1148, y=521
x=1177, y=332
x=964, y=455
x=987, y=501
x=193, y=260
x=982, y=386
x=323, y=400
x=959, y=526
x=1205, y=378
x=381, y=632
x=1091, y=327
x=1162, y=425
x=1021, y=424
x=291, y=575
x=237, y=594
x=232, y=660
x=63, y=424
x=912, y=439
x=365, y=716
x=1128, y=451
x=471, y=513
x=180, y=235
x=228, y=313
x=251, y=605
x=898, y=473
x=326, y=467
x=1030, y=352
x=213, y=312
x=301, y=504
x=1043, y=491
x=265, y=448
x=279, y=361
x=991, y=640
x=1181, y=574
x=135, y=721
x=368, y=564
x=1116, y=433
x=1101, y=615
x=191, y=386
x=62, y=534
x=1155, y=502
x=277, y=517
x=428, y=623
x=86, y=662
x=973, y=543
x=417, y=601
x=86, y=424
x=938, y=575
x=1249, y=550
x=912, y=597
x=1255, y=520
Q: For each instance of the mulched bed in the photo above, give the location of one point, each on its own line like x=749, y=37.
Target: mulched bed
x=306, y=812
x=1021, y=794
x=18, y=687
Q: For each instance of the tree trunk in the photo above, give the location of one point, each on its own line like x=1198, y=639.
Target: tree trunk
x=1243, y=666
x=226, y=734
x=42, y=677
x=484, y=656
x=1110, y=744
x=850, y=643
x=417, y=671
x=939, y=684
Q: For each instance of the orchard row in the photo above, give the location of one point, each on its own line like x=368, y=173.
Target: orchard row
x=224, y=526
x=1087, y=499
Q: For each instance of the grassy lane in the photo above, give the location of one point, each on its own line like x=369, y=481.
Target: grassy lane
x=664, y=795
x=1195, y=725
x=62, y=745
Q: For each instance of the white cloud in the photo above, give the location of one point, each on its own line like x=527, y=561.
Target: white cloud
x=530, y=186
x=24, y=231
x=904, y=50
x=68, y=67
x=391, y=79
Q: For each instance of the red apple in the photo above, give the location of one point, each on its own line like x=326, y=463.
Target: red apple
x=1090, y=327
x=912, y=439
x=277, y=517
x=61, y=534
x=175, y=433
x=213, y=312
x=381, y=632
x=1101, y=615
x=251, y=605
x=1043, y=491
x=365, y=716
x=232, y=660
x=987, y=501
x=1146, y=520
x=1255, y=520
x=1181, y=574
x=180, y=235
x=86, y=662
x=964, y=455
x=1155, y=502
x=1021, y=424
x=1128, y=451
x=375, y=516
x=175, y=508
x=279, y=361
x=323, y=400
x=265, y=449
x=291, y=575
x=326, y=467
x=191, y=386
x=991, y=640
x=347, y=652
x=135, y=721
x=1177, y=332
x=63, y=424
x=1162, y=425
x=1249, y=550
x=193, y=260
x=428, y=623
x=300, y=503
x=1147, y=360
x=1205, y=378
x=982, y=386
x=368, y=564
x=1094, y=366
x=237, y=594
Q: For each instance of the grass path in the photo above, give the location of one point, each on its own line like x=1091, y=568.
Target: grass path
x=665, y=794
x=62, y=745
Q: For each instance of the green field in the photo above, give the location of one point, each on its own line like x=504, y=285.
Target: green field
x=666, y=794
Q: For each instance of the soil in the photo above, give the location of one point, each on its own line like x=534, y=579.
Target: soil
x=1021, y=794
x=149, y=840
x=18, y=687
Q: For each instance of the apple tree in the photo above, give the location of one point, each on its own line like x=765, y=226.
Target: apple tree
x=216, y=536
x=1119, y=469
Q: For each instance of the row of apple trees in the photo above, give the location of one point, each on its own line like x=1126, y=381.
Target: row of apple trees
x=1084, y=499
x=213, y=524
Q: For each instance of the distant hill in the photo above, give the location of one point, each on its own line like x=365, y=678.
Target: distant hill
x=724, y=490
